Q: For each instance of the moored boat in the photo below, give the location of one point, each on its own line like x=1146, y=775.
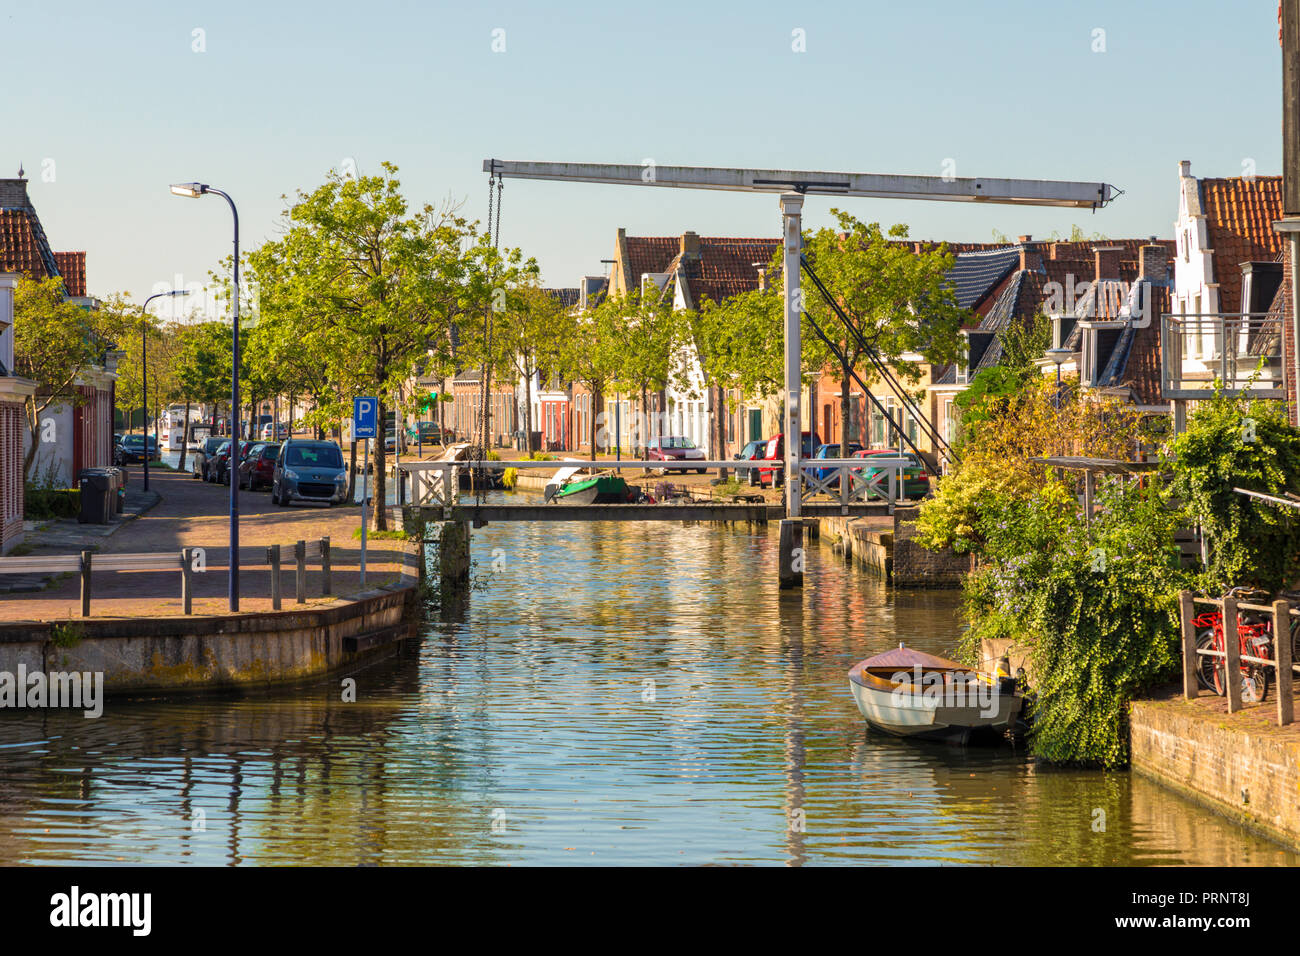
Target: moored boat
x=910, y=693
x=597, y=490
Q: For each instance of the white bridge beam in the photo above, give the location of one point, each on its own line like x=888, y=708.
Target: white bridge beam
x=1027, y=192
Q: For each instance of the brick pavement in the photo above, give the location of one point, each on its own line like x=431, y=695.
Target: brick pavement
x=192, y=513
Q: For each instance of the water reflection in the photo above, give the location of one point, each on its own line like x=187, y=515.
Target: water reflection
x=615, y=694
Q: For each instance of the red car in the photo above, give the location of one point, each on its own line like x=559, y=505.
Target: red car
x=223, y=465
x=775, y=453
x=673, y=448
x=256, y=470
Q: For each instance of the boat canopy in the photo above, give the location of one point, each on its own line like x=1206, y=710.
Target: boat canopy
x=906, y=658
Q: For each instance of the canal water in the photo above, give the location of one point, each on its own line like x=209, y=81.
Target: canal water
x=617, y=693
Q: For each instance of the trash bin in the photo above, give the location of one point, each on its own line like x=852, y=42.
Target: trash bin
x=96, y=490
x=117, y=490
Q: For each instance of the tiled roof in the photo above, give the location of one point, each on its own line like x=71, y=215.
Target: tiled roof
x=1239, y=217
x=566, y=297
x=24, y=247
x=649, y=254
x=72, y=266
x=725, y=267
x=19, y=250
x=973, y=274
x=1135, y=360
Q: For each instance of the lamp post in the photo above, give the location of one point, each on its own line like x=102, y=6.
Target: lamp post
x=144, y=371
x=194, y=191
x=1059, y=356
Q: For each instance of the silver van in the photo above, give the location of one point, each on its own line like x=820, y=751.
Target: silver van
x=309, y=470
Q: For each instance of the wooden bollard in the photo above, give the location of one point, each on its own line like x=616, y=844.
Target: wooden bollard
x=1191, y=660
x=300, y=558
x=1232, y=660
x=85, y=583
x=273, y=556
x=1282, y=654
x=187, y=580
x=325, y=564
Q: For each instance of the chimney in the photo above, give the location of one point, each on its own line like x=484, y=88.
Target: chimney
x=1031, y=259
x=1023, y=239
x=1106, y=262
x=1058, y=250
x=762, y=275
x=690, y=245
x=1185, y=168
x=1153, y=263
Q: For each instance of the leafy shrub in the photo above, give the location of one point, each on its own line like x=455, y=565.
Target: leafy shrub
x=1094, y=602
x=1238, y=443
x=42, y=504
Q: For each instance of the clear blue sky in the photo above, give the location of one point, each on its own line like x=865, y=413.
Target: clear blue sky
x=115, y=96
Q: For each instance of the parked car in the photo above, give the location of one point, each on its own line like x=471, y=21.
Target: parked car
x=281, y=431
x=309, y=470
x=774, y=454
x=673, y=448
x=135, y=448
x=225, y=468
x=258, y=467
x=916, y=476
x=213, y=466
x=424, y=433
x=751, y=452
x=204, y=454
x=832, y=451
x=394, y=442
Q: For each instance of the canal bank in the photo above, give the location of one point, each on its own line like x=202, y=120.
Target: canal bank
x=1243, y=765
x=887, y=546
x=140, y=637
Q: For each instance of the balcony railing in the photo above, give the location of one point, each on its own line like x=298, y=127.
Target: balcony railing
x=1242, y=351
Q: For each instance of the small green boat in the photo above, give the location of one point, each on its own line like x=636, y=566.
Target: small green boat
x=600, y=490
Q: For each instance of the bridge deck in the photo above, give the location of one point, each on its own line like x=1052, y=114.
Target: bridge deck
x=694, y=511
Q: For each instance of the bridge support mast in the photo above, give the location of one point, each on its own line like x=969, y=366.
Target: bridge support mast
x=790, y=571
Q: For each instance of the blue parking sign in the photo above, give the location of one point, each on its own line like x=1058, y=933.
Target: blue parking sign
x=364, y=413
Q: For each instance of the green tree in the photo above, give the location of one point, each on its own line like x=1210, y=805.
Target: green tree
x=650, y=339
x=528, y=334
x=55, y=342
x=901, y=301
x=383, y=283
x=590, y=353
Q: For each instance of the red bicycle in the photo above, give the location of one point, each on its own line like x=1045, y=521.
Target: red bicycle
x=1255, y=639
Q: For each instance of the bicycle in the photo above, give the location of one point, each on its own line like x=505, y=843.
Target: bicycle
x=1255, y=638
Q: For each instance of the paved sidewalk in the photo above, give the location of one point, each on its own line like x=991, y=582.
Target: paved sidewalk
x=192, y=513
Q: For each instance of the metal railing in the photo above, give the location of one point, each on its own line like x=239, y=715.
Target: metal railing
x=1242, y=350
x=1282, y=665
x=847, y=480
x=188, y=561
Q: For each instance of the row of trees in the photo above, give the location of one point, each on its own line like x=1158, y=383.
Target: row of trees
x=360, y=291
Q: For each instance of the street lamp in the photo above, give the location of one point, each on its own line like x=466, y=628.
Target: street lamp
x=1059, y=356
x=144, y=374
x=194, y=191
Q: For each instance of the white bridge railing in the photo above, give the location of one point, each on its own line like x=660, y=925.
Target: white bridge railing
x=845, y=480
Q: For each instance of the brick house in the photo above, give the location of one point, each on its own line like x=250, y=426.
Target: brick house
x=14, y=392
x=694, y=269
x=82, y=426
x=1231, y=292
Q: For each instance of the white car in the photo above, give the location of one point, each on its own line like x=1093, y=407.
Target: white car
x=267, y=429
